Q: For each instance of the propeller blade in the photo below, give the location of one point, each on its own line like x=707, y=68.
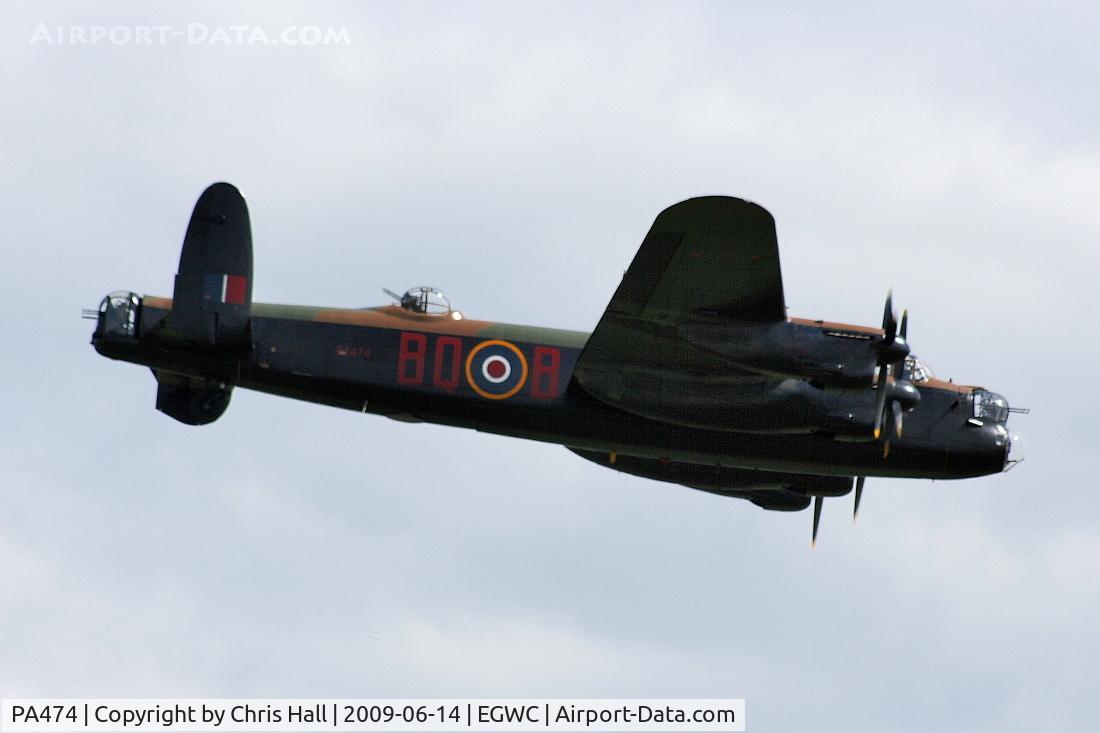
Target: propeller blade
x=859, y=495
x=901, y=348
x=889, y=320
x=880, y=400
x=817, y=519
x=895, y=408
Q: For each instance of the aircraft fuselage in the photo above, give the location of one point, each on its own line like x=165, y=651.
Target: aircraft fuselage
x=518, y=381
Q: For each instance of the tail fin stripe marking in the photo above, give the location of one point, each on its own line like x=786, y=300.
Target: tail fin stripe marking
x=235, y=289
x=223, y=288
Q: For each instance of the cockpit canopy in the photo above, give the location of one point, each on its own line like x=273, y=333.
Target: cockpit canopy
x=425, y=300
x=990, y=406
x=917, y=370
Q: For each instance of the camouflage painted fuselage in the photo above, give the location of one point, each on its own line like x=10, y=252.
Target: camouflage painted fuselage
x=518, y=381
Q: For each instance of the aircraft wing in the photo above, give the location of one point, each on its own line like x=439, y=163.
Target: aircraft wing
x=712, y=259
x=712, y=255
x=787, y=492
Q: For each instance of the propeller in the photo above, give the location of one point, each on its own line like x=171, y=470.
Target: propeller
x=893, y=399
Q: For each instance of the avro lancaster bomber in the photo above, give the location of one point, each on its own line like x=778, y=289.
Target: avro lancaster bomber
x=694, y=374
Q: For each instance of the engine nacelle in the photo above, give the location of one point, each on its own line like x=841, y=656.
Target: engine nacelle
x=832, y=356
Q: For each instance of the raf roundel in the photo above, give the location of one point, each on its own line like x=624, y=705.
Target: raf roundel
x=496, y=369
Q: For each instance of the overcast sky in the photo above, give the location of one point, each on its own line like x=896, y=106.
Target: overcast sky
x=515, y=155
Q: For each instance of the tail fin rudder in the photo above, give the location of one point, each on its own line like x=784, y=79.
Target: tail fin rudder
x=212, y=302
x=211, y=305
